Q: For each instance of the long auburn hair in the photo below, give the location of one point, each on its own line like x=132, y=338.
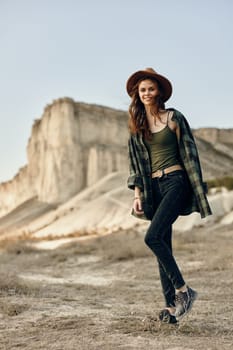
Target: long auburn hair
x=137, y=114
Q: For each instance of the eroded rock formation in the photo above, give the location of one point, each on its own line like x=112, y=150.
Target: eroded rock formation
x=71, y=147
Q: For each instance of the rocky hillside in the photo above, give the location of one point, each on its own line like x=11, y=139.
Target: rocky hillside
x=216, y=151
x=77, y=170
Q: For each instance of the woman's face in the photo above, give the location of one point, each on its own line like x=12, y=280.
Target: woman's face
x=148, y=91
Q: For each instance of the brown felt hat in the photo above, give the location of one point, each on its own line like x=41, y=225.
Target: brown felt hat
x=148, y=73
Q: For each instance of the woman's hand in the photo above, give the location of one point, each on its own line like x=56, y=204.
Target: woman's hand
x=137, y=206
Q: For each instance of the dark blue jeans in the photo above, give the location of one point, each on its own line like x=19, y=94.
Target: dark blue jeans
x=170, y=193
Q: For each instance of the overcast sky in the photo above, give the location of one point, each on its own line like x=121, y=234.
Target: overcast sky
x=87, y=49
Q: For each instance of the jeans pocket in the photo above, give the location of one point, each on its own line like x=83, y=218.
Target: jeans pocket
x=175, y=175
x=174, y=180
x=179, y=173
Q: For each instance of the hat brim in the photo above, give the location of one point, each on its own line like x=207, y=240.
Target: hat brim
x=164, y=83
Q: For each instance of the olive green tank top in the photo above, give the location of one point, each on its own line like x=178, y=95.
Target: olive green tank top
x=163, y=149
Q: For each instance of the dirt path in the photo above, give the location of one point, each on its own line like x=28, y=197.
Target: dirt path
x=105, y=293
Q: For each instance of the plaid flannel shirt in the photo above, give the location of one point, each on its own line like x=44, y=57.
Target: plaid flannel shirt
x=140, y=171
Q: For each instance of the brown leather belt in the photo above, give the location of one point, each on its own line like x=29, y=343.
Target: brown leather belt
x=160, y=173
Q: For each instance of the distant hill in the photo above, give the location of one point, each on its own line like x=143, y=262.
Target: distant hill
x=216, y=151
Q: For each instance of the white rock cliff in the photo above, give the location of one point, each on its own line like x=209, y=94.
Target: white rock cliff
x=71, y=147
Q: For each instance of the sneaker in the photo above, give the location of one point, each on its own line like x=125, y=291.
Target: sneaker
x=166, y=317
x=184, y=301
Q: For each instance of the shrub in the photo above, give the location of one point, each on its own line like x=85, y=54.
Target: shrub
x=226, y=181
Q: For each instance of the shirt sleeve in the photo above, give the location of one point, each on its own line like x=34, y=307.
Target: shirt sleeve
x=193, y=168
x=191, y=149
x=134, y=179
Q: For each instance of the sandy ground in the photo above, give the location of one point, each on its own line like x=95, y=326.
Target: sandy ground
x=104, y=293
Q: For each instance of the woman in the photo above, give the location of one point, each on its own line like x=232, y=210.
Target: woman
x=166, y=177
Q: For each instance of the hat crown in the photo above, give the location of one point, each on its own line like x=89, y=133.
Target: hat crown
x=150, y=70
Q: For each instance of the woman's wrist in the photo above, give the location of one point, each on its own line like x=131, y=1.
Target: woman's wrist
x=137, y=193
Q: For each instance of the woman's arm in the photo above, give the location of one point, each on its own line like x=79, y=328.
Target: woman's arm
x=135, y=180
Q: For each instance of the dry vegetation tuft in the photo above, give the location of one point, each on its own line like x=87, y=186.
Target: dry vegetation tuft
x=104, y=294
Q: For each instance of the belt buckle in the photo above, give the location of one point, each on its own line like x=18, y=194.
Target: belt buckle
x=161, y=172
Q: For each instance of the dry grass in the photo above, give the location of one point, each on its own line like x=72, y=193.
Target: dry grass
x=11, y=284
x=105, y=294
